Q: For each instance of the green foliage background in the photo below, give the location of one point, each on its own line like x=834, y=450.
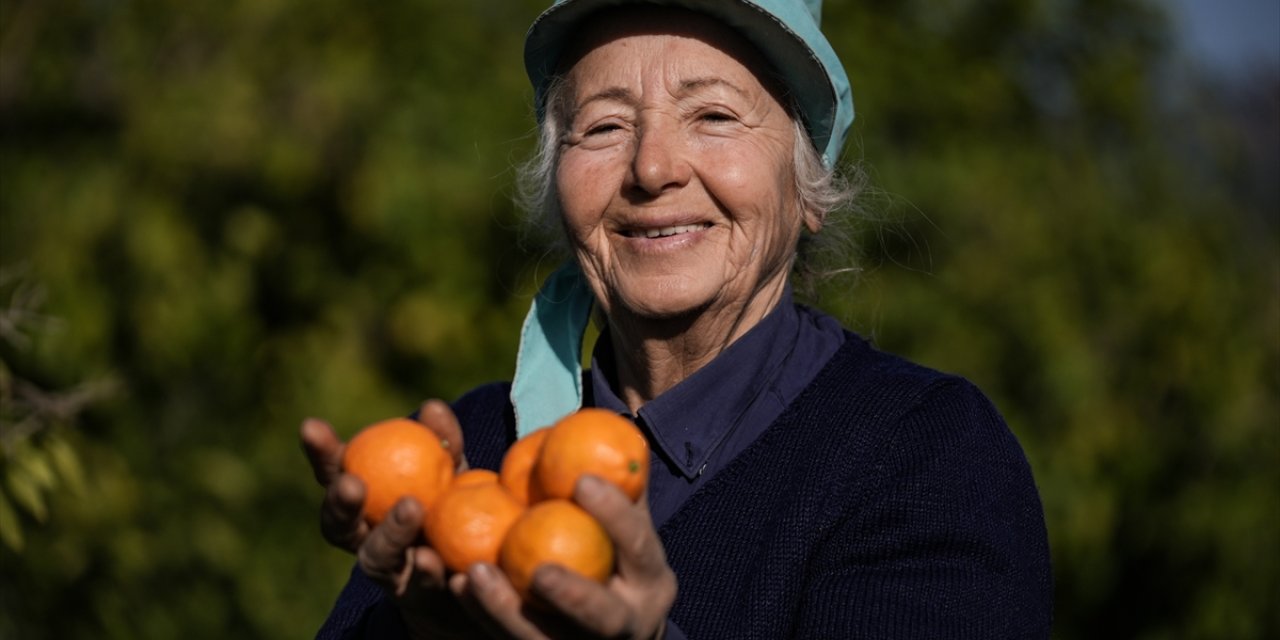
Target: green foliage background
x=218, y=218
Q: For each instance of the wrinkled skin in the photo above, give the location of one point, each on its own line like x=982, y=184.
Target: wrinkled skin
x=670, y=128
x=633, y=604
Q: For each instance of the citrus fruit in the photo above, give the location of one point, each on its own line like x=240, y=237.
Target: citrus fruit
x=555, y=531
x=468, y=522
x=591, y=441
x=474, y=477
x=517, y=464
x=396, y=458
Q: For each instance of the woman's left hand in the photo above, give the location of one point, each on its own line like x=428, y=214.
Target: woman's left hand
x=632, y=604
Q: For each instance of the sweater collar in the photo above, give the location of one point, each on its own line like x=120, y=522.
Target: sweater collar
x=689, y=421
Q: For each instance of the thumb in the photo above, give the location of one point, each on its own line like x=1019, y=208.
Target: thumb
x=639, y=550
x=439, y=418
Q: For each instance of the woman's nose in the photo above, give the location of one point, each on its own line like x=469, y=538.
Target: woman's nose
x=659, y=162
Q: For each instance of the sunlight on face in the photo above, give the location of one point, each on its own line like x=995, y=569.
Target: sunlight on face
x=675, y=175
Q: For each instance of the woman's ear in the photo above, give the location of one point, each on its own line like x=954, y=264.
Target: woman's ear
x=812, y=220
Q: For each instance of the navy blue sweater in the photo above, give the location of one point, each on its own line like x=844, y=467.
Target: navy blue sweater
x=888, y=501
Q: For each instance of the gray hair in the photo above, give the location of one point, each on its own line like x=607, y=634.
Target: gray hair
x=826, y=194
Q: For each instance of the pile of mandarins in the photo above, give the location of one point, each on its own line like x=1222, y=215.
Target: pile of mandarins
x=518, y=518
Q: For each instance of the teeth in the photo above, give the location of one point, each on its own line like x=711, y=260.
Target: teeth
x=669, y=231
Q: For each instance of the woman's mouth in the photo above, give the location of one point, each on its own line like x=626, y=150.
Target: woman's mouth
x=663, y=232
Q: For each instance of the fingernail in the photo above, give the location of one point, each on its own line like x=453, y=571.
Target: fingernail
x=458, y=583
x=547, y=579
x=350, y=488
x=309, y=425
x=481, y=574
x=429, y=406
x=403, y=512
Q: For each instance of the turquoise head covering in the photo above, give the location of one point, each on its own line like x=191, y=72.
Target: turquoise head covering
x=548, y=378
x=785, y=31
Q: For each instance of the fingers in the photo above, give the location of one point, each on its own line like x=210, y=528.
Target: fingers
x=323, y=449
x=592, y=608
x=438, y=417
x=640, y=553
x=426, y=608
x=567, y=606
x=493, y=603
x=384, y=554
x=634, y=603
x=644, y=587
x=413, y=575
x=428, y=570
x=340, y=519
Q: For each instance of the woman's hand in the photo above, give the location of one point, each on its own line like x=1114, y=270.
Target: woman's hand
x=389, y=554
x=340, y=519
x=633, y=604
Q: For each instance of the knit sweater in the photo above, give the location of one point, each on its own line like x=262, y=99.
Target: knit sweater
x=888, y=501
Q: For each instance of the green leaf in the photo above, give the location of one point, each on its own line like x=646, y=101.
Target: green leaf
x=66, y=462
x=10, y=528
x=26, y=492
x=34, y=461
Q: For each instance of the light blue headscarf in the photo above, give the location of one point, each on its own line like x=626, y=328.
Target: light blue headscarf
x=548, y=378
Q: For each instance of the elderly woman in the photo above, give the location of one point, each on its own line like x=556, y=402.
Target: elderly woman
x=804, y=484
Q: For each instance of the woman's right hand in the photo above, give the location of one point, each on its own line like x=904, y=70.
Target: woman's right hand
x=391, y=554
x=633, y=603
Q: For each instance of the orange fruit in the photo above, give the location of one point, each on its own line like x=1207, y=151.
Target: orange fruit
x=555, y=531
x=474, y=477
x=591, y=441
x=397, y=458
x=517, y=464
x=468, y=523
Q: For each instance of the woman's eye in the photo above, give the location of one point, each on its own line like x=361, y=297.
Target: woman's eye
x=601, y=129
x=717, y=117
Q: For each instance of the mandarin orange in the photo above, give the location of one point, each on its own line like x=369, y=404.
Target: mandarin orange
x=468, y=523
x=591, y=441
x=517, y=464
x=474, y=477
x=397, y=458
x=560, y=532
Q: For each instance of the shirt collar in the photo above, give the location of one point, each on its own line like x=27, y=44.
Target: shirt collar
x=689, y=421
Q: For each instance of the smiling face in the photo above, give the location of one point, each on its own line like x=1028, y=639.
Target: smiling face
x=675, y=174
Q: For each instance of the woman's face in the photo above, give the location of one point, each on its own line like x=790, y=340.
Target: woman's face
x=675, y=176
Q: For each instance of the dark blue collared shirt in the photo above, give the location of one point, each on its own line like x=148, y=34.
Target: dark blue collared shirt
x=698, y=426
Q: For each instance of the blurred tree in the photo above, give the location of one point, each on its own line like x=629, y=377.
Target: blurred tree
x=251, y=212
x=36, y=457
x=248, y=213
x=1091, y=237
